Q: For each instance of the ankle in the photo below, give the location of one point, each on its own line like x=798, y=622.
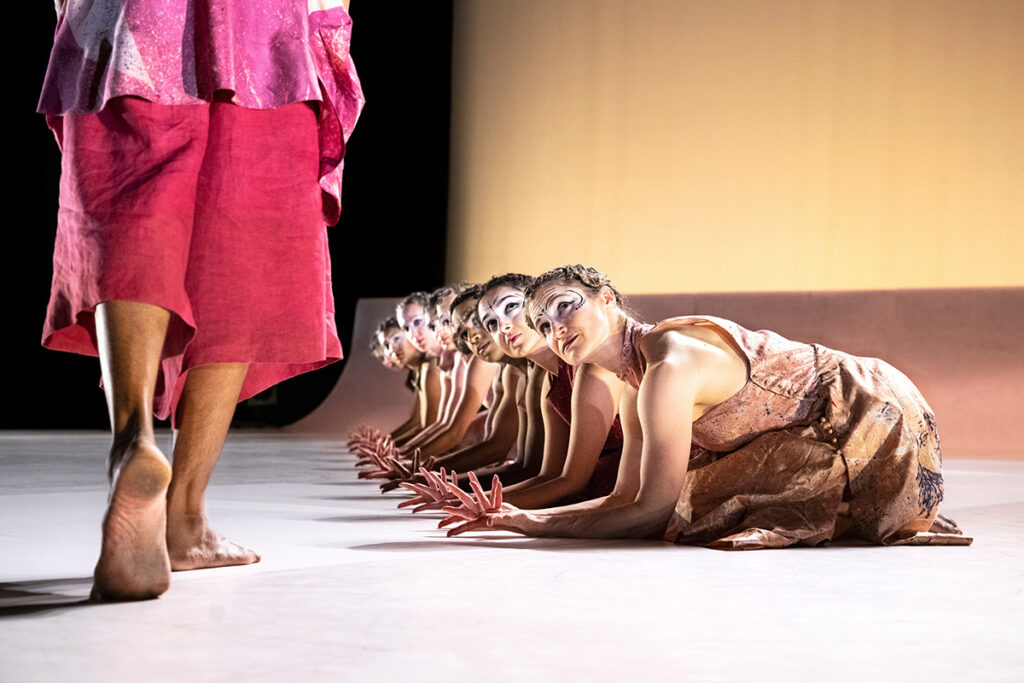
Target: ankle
x=126, y=443
x=185, y=516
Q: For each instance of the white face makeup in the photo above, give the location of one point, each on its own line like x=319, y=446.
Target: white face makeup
x=471, y=332
x=443, y=327
x=394, y=340
x=395, y=343
x=416, y=323
x=553, y=314
x=557, y=308
x=503, y=314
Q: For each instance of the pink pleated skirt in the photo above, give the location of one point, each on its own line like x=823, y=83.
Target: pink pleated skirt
x=210, y=211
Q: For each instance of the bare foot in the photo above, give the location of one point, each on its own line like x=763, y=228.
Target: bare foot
x=192, y=544
x=133, y=562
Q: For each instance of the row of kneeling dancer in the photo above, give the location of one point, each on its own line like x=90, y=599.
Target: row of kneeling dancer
x=544, y=407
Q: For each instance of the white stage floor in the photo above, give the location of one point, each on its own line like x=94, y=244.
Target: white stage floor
x=352, y=589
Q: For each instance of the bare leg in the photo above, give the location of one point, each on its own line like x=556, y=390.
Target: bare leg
x=207, y=405
x=133, y=562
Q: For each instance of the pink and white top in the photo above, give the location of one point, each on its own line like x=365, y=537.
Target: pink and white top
x=268, y=53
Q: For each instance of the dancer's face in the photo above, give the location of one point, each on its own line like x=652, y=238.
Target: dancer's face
x=386, y=357
x=443, y=327
x=503, y=314
x=573, y=321
x=397, y=344
x=416, y=323
x=472, y=333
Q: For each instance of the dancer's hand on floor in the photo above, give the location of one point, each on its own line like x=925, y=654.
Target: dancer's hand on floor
x=432, y=495
x=478, y=509
x=364, y=436
x=364, y=431
x=373, y=453
x=382, y=461
x=402, y=471
x=368, y=448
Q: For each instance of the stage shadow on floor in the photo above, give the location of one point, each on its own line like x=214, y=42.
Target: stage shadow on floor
x=346, y=497
x=515, y=543
x=586, y=545
x=364, y=518
x=19, y=598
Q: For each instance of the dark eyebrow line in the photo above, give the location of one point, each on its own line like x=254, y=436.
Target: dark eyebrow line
x=550, y=297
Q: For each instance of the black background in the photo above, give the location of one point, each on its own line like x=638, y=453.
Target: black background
x=390, y=239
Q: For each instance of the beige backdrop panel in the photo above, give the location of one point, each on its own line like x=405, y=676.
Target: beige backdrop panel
x=725, y=146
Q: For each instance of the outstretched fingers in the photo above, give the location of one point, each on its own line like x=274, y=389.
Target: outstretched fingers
x=460, y=512
x=468, y=526
x=464, y=497
x=481, y=497
x=495, y=493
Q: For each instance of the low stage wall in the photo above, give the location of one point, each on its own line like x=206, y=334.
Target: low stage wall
x=962, y=347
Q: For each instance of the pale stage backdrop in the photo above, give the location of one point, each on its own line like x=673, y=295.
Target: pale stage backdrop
x=715, y=145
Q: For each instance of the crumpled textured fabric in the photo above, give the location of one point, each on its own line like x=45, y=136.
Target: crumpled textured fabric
x=816, y=445
x=268, y=54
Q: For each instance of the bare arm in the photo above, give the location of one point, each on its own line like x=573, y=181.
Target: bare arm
x=436, y=382
x=514, y=472
x=497, y=394
x=682, y=374
x=496, y=446
x=595, y=399
x=530, y=454
x=478, y=376
x=430, y=406
x=412, y=424
x=556, y=443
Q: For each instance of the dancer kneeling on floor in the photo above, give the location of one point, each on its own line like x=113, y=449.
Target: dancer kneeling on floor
x=465, y=381
x=574, y=440
x=736, y=439
x=509, y=445
x=396, y=352
x=582, y=436
x=503, y=447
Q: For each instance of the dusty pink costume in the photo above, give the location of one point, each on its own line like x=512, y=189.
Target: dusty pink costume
x=811, y=429
x=202, y=147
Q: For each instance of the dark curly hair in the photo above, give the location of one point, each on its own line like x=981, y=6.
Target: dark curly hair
x=441, y=292
x=469, y=292
x=514, y=280
x=421, y=298
x=591, y=279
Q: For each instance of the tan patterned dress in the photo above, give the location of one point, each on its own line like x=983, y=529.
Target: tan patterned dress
x=816, y=444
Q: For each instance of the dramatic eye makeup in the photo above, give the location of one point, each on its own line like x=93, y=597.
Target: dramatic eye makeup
x=506, y=307
x=557, y=307
x=394, y=341
x=488, y=320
